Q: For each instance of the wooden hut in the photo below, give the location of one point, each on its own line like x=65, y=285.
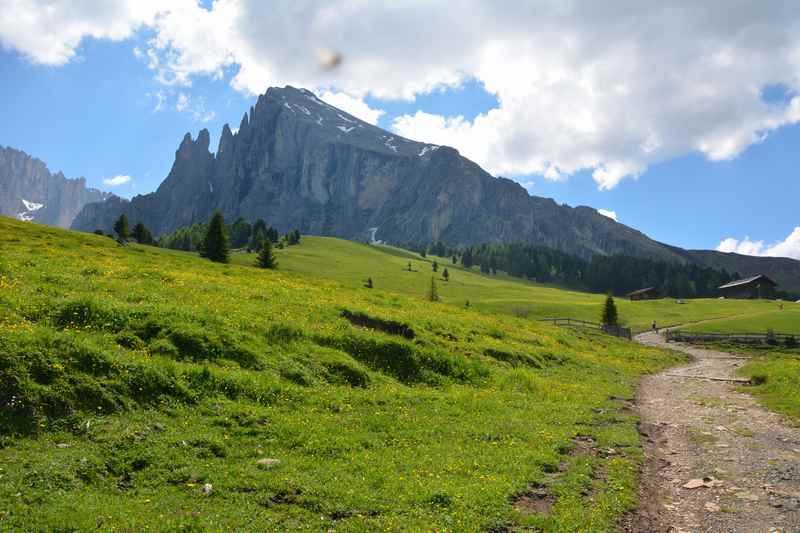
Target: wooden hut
x=753, y=288
x=650, y=293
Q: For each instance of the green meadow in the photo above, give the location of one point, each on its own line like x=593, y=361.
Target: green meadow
x=350, y=264
x=785, y=320
x=151, y=389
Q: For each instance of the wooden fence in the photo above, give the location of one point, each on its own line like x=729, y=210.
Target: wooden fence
x=616, y=331
x=785, y=339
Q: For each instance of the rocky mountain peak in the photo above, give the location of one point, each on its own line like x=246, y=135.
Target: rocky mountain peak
x=300, y=163
x=29, y=191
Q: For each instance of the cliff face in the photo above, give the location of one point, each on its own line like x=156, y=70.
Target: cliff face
x=28, y=191
x=298, y=162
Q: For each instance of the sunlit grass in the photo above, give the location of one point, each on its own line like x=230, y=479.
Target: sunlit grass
x=134, y=376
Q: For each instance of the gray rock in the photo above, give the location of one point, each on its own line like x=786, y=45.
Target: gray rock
x=300, y=163
x=28, y=191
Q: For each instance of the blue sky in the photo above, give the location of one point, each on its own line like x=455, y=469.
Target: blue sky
x=93, y=110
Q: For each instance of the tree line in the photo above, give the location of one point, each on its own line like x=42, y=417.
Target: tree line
x=240, y=234
x=216, y=245
x=618, y=274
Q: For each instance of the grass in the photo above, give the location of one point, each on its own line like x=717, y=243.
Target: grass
x=775, y=372
x=350, y=264
x=131, y=377
x=786, y=320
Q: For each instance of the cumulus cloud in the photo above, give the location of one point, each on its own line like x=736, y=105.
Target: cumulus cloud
x=789, y=247
x=50, y=32
x=611, y=88
x=116, y=181
x=610, y=214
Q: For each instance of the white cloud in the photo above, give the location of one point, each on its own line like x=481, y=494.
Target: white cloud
x=182, y=103
x=161, y=99
x=611, y=88
x=610, y=214
x=789, y=247
x=50, y=32
x=195, y=106
x=116, y=181
x=355, y=106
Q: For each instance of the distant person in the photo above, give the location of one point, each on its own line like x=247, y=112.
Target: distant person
x=655, y=327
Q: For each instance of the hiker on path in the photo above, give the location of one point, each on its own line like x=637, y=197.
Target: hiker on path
x=655, y=327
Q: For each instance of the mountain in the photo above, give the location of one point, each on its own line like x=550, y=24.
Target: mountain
x=28, y=191
x=298, y=162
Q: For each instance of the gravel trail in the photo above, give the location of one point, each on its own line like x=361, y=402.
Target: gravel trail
x=699, y=431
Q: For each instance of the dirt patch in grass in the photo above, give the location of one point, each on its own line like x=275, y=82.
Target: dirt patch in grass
x=534, y=500
x=387, y=326
x=583, y=445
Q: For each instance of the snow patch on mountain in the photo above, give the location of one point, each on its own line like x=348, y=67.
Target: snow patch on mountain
x=30, y=207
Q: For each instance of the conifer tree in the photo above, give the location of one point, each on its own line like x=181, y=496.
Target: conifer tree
x=215, y=243
x=435, y=266
x=610, y=316
x=142, y=234
x=266, y=258
x=121, y=227
x=433, y=291
x=446, y=274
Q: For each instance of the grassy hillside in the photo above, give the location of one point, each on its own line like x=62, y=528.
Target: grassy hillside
x=350, y=264
x=774, y=372
x=144, y=388
x=786, y=320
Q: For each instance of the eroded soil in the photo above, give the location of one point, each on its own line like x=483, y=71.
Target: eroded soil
x=697, y=426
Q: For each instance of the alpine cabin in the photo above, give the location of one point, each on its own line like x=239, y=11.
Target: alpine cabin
x=754, y=288
x=650, y=293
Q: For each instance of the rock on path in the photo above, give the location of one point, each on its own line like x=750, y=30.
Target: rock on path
x=697, y=426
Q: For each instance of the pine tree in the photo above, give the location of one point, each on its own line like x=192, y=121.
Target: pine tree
x=215, y=243
x=455, y=260
x=142, y=234
x=241, y=232
x=610, y=316
x=266, y=259
x=435, y=266
x=293, y=237
x=409, y=266
x=423, y=253
x=121, y=227
x=433, y=291
x=446, y=274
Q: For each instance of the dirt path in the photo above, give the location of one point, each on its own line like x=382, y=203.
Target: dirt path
x=696, y=425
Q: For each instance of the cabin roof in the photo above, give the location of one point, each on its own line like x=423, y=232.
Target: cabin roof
x=747, y=281
x=642, y=291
